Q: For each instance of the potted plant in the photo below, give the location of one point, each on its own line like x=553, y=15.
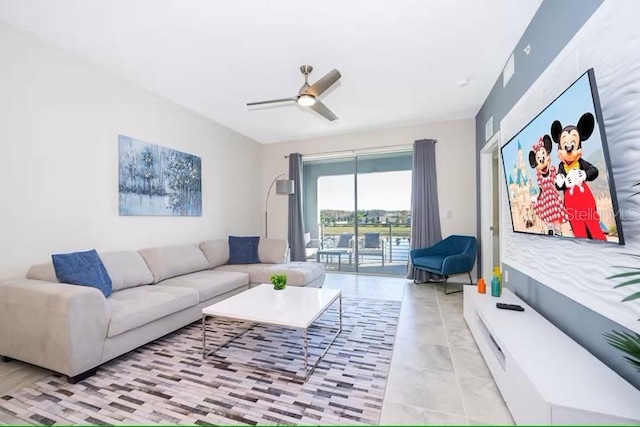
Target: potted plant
x=628, y=343
x=279, y=281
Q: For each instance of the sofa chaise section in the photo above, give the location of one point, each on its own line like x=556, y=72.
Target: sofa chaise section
x=273, y=254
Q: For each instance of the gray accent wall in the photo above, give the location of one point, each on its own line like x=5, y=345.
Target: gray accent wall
x=565, y=280
x=551, y=28
x=553, y=25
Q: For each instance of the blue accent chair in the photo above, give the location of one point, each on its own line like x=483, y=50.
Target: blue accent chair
x=453, y=255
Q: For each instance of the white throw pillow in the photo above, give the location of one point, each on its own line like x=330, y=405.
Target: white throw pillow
x=273, y=251
x=126, y=269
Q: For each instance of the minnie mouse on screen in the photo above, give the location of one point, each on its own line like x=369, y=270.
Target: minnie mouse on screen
x=547, y=206
x=573, y=174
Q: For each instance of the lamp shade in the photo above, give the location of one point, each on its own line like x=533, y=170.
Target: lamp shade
x=285, y=186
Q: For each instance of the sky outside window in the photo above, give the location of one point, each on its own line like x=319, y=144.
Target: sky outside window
x=390, y=191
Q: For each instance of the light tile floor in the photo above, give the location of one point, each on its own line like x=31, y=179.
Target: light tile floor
x=437, y=374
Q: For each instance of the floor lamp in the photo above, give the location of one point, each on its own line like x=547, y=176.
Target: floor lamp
x=283, y=186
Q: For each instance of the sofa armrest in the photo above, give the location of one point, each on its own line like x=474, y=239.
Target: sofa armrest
x=57, y=326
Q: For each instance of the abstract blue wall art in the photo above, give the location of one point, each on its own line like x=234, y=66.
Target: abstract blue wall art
x=156, y=180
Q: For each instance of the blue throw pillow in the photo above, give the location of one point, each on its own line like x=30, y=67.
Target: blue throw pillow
x=243, y=250
x=82, y=268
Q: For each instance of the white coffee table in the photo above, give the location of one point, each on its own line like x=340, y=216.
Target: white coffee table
x=293, y=307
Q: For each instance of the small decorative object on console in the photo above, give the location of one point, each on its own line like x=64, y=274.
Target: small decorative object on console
x=279, y=281
x=482, y=286
x=496, y=285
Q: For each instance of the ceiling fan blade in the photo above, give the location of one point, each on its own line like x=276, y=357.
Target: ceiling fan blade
x=325, y=82
x=322, y=109
x=271, y=101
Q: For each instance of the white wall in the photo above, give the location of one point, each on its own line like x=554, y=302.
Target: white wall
x=608, y=42
x=455, y=157
x=60, y=117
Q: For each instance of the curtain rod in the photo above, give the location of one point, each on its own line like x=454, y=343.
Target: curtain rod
x=354, y=151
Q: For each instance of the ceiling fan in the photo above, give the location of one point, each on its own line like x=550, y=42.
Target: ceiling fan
x=308, y=94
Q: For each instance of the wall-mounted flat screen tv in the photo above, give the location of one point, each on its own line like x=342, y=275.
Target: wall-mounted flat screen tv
x=558, y=173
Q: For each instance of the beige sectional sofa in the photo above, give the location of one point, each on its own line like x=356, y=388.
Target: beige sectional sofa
x=74, y=329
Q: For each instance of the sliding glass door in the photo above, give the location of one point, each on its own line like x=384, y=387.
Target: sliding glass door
x=357, y=212
x=329, y=214
x=383, y=212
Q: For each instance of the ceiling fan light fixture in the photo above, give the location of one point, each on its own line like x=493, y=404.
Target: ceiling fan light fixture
x=306, y=100
x=308, y=94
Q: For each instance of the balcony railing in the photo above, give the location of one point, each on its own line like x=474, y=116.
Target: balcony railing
x=396, y=238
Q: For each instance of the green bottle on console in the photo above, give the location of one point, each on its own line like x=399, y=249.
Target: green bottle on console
x=496, y=282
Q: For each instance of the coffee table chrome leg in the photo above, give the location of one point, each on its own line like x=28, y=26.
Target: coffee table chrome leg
x=218, y=347
x=204, y=335
x=309, y=371
x=340, y=313
x=306, y=354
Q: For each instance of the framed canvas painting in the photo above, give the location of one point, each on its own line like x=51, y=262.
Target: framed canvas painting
x=156, y=180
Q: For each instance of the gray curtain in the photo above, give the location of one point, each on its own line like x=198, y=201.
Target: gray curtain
x=425, y=212
x=296, y=228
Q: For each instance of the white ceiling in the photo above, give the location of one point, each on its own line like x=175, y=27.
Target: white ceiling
x=401, y=60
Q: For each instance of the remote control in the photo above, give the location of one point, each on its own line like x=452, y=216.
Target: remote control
x=514, y=307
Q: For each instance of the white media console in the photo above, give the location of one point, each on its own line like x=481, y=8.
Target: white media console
x=544, y=376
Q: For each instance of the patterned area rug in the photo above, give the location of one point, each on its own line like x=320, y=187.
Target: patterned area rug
x=167, y=381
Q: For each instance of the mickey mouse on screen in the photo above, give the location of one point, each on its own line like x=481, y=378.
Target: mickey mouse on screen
x=573, y=174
